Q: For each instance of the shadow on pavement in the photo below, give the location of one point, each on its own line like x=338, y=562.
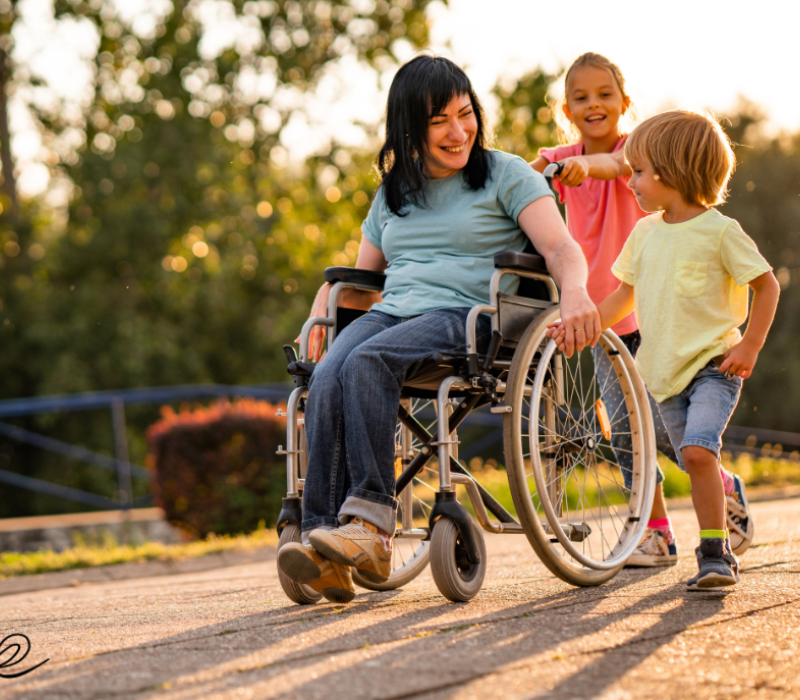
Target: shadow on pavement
x=410, y=654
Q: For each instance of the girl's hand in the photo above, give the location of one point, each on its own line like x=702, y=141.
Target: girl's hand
x=575, y=171
x=740, y=360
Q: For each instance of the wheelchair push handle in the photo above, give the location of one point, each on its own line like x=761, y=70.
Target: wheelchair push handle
x=553, y=170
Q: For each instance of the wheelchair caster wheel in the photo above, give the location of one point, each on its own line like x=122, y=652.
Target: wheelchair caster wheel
x=296, y=592
x=456, y=578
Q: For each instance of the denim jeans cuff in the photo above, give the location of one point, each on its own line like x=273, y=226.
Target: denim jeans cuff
x=659, y=475
x=316, y=524
x=381, y=515
x=694, y=442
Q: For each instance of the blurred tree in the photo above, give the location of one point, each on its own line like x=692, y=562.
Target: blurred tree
x=525, y=122
x=765, y=199
x=193, y=245
x=8, y=14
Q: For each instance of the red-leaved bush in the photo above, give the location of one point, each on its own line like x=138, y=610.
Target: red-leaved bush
x=216, y=468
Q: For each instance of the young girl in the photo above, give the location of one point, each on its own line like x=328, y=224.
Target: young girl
x=685, y=269
x=601, y=213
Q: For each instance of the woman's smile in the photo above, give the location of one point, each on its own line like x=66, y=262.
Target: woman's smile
x=451, y=134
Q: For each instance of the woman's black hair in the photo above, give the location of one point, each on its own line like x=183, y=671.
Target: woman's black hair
x=421, y=88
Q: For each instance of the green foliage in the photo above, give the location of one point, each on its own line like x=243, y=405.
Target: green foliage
x=83, y=556
x=526, y=123
x=191, y=249
x=216, y=469
x=765, y=199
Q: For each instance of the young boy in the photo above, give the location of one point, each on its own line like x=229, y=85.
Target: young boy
x=685, y=270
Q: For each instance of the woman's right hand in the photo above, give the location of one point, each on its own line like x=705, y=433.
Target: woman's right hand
x=316, y=338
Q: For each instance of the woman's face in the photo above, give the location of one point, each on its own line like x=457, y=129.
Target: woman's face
x=451, y=134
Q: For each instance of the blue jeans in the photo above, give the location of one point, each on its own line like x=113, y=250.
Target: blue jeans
x=700, y=413
x=351, y=412
x=615, y=402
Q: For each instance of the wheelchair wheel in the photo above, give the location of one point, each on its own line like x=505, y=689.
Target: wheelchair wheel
x=455, y=577
x=565, y=453
x=296, y=592
x=410, y=553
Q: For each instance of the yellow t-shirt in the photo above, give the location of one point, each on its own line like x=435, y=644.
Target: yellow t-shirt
x=690, y=293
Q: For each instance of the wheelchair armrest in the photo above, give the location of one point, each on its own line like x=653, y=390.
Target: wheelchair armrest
x=520, y=261
x=354, y=276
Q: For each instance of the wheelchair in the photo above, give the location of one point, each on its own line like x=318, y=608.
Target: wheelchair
x=561, y=455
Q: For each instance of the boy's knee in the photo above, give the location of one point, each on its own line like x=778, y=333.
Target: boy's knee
x=696, y=458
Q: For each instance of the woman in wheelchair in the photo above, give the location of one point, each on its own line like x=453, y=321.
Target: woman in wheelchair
x=446, y=205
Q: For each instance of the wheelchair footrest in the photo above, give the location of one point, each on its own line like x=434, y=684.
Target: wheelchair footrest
x=575, y=533
x=291, y=512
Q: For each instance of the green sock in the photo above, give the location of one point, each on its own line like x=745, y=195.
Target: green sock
x=707, y=534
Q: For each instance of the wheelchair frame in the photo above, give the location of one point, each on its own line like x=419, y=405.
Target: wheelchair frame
x=475, y=379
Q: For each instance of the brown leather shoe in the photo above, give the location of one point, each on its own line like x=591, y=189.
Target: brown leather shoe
x=304, y=565
x=356, y=544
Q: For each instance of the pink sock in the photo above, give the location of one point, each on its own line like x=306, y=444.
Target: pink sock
x=727, y=480
x=664, y=526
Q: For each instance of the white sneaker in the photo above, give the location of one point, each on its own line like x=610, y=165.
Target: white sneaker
x=740, y=521
x=654, y=550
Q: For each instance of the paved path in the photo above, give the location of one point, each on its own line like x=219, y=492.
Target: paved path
x=230, y=633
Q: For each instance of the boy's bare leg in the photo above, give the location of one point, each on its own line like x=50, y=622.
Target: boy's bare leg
x=708, y=493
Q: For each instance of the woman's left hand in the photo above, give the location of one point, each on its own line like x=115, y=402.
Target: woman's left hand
x=580, y=318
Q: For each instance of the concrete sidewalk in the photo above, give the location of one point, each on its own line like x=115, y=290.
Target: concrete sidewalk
x=230, y=633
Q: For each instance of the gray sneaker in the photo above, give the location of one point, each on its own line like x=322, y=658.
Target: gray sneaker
x=719, y=568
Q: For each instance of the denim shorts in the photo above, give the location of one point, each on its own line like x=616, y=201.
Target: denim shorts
x=700, y=413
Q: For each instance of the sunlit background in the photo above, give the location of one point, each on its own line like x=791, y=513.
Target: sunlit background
x=186, y=169
x=688, y=54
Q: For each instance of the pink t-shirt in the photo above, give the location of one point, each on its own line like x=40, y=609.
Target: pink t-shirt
x=600, y=215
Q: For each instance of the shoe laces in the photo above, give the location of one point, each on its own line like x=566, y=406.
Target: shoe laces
x=651, y=543
x=357, y=530
x=354, y=530
x=736, y=507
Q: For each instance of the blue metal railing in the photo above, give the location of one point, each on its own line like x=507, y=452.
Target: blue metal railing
x=737, y=439
x=120, y=463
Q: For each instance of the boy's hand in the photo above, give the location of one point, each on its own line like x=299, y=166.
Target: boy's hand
x=575, y=171
x=740, y=360
x=558, y=332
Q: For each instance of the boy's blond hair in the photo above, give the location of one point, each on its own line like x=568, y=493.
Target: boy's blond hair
x=688, y=151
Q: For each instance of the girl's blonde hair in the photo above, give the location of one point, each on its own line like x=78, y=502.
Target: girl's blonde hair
x=688, y=151
x=566, y=131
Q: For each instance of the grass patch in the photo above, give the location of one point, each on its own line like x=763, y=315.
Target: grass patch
x=83, y=555
x=756, y=471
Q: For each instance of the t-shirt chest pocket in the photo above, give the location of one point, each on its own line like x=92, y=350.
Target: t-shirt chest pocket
x=690, y=278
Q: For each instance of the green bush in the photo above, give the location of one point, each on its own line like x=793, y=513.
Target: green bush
x=216, y=468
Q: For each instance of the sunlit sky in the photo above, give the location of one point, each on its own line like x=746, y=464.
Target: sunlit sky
x=683, y=53
x=695, y=54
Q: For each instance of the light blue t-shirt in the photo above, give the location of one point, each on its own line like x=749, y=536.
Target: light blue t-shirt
x=441, y=254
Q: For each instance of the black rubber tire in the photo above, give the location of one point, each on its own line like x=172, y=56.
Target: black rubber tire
x=296, y=592
x=456, y=579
